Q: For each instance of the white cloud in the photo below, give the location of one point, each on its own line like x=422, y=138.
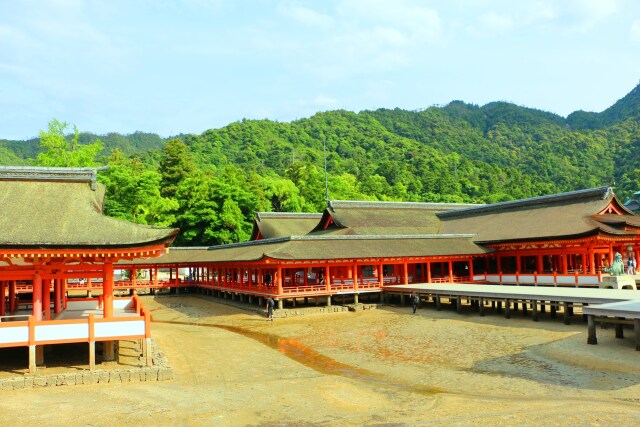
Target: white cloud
x=417, y=22
x=634, y=32
x=491, y=24
x=322, y=101
x=573, y=15
x=305, y=16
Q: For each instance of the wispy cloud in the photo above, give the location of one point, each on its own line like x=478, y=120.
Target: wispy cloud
x=634, y=32
x=305, y=15
x=491, y=24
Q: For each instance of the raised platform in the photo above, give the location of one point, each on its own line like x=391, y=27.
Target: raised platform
x=617, y=306
x=537, y=293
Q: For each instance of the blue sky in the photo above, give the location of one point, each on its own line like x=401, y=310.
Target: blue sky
x=187, y=66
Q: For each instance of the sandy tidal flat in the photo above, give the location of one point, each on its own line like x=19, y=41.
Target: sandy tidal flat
x=376, y=367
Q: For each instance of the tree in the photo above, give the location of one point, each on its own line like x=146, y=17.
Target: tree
x=60, y=150
x=133, y=193
x=176, y=165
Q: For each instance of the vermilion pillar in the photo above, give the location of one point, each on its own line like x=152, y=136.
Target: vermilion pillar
x=405, y=272
x=279, y=280
x=37, y=298
x=107, y=290
x=46, y=298
x=2, y=298
x=57, y=297
x=12, y=296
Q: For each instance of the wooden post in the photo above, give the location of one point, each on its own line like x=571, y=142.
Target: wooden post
x=565, y=308
x=278, y=280
x=12, y=296
x=57, y=285
x=534, y=310
x=32, y=345
x=591, y=328
x=2, y=298
x=636, y=329
x=107, y=290
x=481, y=306
x=355, y=277
x=109, y=351
x=92, y=343
x=36, y=299
x=618, y=328
x=507, y=308
x=405, y=272
x=64, y=294
x=46, y=299
x=438, y=306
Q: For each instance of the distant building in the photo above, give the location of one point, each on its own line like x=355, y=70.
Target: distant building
x=356, y=248
x=633, y=204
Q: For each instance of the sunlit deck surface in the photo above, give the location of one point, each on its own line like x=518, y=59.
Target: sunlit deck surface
x=539, y=293
x=83, y=314
x=626, y=309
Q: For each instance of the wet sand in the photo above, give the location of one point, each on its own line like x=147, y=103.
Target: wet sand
x=375, y=367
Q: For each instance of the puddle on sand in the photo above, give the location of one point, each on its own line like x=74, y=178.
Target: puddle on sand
x=310, y=358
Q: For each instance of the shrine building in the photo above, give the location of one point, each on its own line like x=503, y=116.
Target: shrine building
x=54, y=235
x=356, y=250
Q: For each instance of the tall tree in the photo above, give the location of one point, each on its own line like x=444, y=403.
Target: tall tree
x=133, y=192
x=60, y=150
x=176, y=165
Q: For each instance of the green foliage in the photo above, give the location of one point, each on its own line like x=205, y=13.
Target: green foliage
x=210, y=185
x=215, y=208
x=133, y=192
x=176, y=165
x=66, y=152
x=8, y=156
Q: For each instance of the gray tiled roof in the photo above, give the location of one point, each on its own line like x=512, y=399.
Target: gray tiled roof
x=41, y=210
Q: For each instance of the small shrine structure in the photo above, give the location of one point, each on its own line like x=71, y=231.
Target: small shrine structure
x=54, y=234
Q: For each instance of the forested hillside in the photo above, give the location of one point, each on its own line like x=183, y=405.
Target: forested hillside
x=210, y=185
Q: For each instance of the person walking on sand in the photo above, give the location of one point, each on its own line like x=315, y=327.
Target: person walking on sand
x=415, y=299
x=270, y=305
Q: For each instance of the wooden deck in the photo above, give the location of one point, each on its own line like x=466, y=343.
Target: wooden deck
x=529, y=293
x=615, y=306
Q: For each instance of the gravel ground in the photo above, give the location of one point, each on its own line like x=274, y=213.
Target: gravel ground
x=381, y=367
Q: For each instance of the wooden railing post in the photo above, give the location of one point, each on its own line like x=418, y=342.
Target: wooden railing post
x=92, y=342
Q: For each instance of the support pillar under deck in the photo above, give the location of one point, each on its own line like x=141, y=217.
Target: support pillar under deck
x=591, y=328
x=109, y=351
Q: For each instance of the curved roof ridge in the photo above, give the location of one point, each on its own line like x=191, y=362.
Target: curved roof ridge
x=310, y=215
x=590, y=193
x=250, y=243
x=345, y=204
x=382, y=236
x=42, y=173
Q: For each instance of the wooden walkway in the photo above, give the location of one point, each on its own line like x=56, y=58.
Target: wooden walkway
x=619, y=307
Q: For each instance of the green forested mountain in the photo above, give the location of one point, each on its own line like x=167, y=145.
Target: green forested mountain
x=210, y=184
x=625, y=108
